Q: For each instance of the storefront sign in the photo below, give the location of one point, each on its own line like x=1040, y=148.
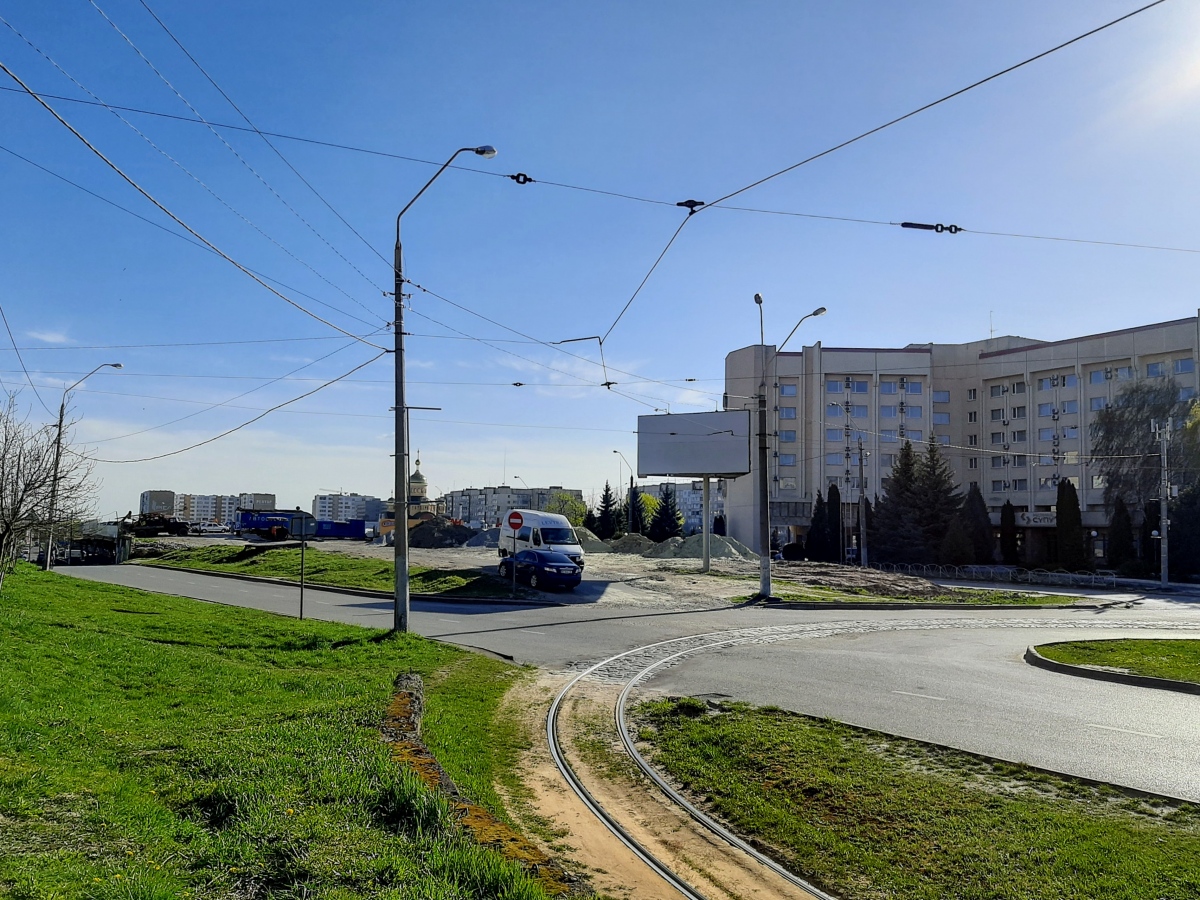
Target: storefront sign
x=1037, y=519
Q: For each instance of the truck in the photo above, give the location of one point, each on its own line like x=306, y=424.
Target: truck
x=270, y=524
x=539, y=531
x=354, y=529
x=154, y=524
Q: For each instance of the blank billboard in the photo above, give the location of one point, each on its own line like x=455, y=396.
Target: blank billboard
x=693, y=445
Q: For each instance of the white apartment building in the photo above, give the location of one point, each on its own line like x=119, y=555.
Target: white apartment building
x=484, y=507
x=344, y=507
x=689, y=497
x=211, y=508
x=1012, y=414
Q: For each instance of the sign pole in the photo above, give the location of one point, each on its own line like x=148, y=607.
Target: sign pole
x=515, y=520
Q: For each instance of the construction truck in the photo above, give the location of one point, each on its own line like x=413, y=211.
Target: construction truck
x=152, y=525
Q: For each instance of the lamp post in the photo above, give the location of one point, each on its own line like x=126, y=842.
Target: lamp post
x=629, y=500
x=764, y=496
x=400, y=606
x=62, y=411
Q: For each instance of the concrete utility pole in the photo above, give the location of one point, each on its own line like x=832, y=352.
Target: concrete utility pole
x=1164, y=495
x=862, y=509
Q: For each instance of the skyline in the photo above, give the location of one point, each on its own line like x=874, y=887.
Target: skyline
x=1093, y=142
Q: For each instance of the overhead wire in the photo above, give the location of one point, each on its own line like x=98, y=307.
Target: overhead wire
x=16, y=350
x=180, y=221
x=175, y=162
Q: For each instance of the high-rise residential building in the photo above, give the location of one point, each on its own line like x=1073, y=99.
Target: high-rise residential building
x=689, y=497
x=344, y=507
x=213, y=508
x=484, y=507
x=1011, y=414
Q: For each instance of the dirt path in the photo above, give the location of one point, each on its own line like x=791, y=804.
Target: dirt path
x=551, y=810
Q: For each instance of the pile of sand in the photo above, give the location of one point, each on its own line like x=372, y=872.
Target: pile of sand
x=720, y=547
x=589, y=542
x=631, y=543
x=489, y=537
x=439, y=532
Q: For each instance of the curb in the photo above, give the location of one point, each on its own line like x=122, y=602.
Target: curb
x=816, y=604
x=356, y=592
x=1163, y=684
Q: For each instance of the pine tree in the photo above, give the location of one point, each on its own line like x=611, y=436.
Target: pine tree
x=637, y=512
x=817, y=540
x=897, y=533
x=956, y=548
x=978, y=525
x=937, y=501
x=668, y=520
x=1072, y=555
x=833, y=531
x=1121, y=550
x=1185, y=533
x=590, y=522
x=606, y=522
x=1009, y=552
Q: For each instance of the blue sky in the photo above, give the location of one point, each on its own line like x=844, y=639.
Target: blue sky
x=664, y=101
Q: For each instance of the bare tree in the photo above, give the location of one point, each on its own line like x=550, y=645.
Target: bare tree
x=27, y=477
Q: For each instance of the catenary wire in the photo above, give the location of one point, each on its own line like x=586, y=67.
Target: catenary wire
x=175, y=162
x=181, y=222
x=13, y=341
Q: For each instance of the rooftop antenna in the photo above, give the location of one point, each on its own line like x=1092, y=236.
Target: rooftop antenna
x=991, y=327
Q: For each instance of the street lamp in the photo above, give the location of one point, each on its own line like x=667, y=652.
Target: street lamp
x=62, y=411
x=629, y=501
x=400, y=607
x=764, y=498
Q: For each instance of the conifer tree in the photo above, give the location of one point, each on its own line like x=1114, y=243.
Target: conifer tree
x=937, y=501
x=817, y=541
x=956, y=548
x=1121, y=550
x=898, y=538
x=1072, y=555
x=637, y=512
x=668, y=520
x=978, y=525
x=833, y=530
x=1009, y=551
x=590, y=521
x=606, y=521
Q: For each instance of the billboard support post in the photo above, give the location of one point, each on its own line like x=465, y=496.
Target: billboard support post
x=764, y=499
x=706, y=515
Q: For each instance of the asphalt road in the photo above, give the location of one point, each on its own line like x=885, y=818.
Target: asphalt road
x=955, y=677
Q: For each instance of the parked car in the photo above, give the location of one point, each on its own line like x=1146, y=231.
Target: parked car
x=542, y=569
x=540, y=531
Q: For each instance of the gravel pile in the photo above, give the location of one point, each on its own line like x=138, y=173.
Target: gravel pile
x=489, y=537
x=589, y=542
x=631, y=543
x=720, y=547
x=439, y=533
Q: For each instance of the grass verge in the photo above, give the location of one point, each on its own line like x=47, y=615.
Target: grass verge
x=866, y=815
x=155, y=747
x=1177, y=659
x=822, y=594
x=333, y=569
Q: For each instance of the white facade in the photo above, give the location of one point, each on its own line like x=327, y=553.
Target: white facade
x=344, y=507
x=484, y=507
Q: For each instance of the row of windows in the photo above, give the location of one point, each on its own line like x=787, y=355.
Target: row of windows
x=855, y=386
x=1022, y=484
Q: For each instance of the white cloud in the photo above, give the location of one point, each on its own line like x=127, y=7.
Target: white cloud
x=49, y=337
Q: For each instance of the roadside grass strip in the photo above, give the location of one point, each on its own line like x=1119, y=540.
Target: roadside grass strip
x=332, y=570
x=795, y=593
x=1176, y=659
x=867, y=815
x=155, y=747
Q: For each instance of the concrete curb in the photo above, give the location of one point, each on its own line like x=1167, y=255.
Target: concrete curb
x=1164, y=684
x=816, y=604
x=356, y=592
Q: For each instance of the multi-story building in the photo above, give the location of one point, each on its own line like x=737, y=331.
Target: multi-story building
x=689, y=497
x=1012, y=415
x=484, y=507
x=161, y=502
x=256, y=501
x=344, y=507
x=217, y=508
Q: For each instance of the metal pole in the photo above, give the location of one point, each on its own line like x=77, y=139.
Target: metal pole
x=62, y=409
x=303, y=544
x=514, y=565
x=764, y=513
x=1164, y=524
x=862, y=509
x=400, y=515
x=706, y=514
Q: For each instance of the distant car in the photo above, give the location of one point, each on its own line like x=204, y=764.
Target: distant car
x=542, y=569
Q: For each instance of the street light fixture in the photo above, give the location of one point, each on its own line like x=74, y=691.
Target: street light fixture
x=400, y=605
x=62, y=411
x=764, y=498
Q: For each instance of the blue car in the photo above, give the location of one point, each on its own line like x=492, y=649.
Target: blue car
x=543, y=569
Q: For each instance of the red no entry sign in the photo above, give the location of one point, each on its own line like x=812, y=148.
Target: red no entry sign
x=515, y=520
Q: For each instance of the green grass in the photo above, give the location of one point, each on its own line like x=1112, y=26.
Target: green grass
x=1175, y=659
x=821, y=594
x=154, y=747
x=334, y=569
x=867, y=816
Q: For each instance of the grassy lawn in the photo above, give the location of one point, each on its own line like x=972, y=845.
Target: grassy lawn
x=819, y=594
x=335, y=569
x=1176, y=659
x=864, y=815
x=155, y=747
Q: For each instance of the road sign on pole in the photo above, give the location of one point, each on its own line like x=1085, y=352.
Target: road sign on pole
x=515, y=520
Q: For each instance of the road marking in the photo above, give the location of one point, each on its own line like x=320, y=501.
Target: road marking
x=1125, y=730
x=444, y=619
x=925, y=696
x=527, y=631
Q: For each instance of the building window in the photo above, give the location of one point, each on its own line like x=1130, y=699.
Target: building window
x=916, y=434
x=1099, y=482
x=1020, y=484
x=973, y=462
x=1020, y=461
x=787, y=484
x=1096, y=376
x=914, y=387
x=887, y=459
x=887, y=412
x=1098, y=403
x=1045, y=434
x=833, y=434
x=1018, y=412
x=833, y=386
x=1045, y=384
x=787, y=459
x=972, y=440
x=1019, y=436
x=973, y=416
x=1124, y=373
x=787, y=437
x=888, y=436
x=1071, y=432
x=1156, y=369
x=943, y=439
x=997, y=390
x=787, y=390
x=887, y=387
x=997, y=437
x=1070, y=406
x=1045, y=410
x=997, y=415
x=914, y=412
x=1050, y=482
x=1070, y=380
x=1185, y=366
x=858, y=412
x=1187, y=393
x=1018, y=387
x=941, y=396
x=833, y=459
x=858, y=387
x=858, y=436
x=997, y=487
x=787, y=412
x=972, y=394
x=940, y=418
x=997, y=462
